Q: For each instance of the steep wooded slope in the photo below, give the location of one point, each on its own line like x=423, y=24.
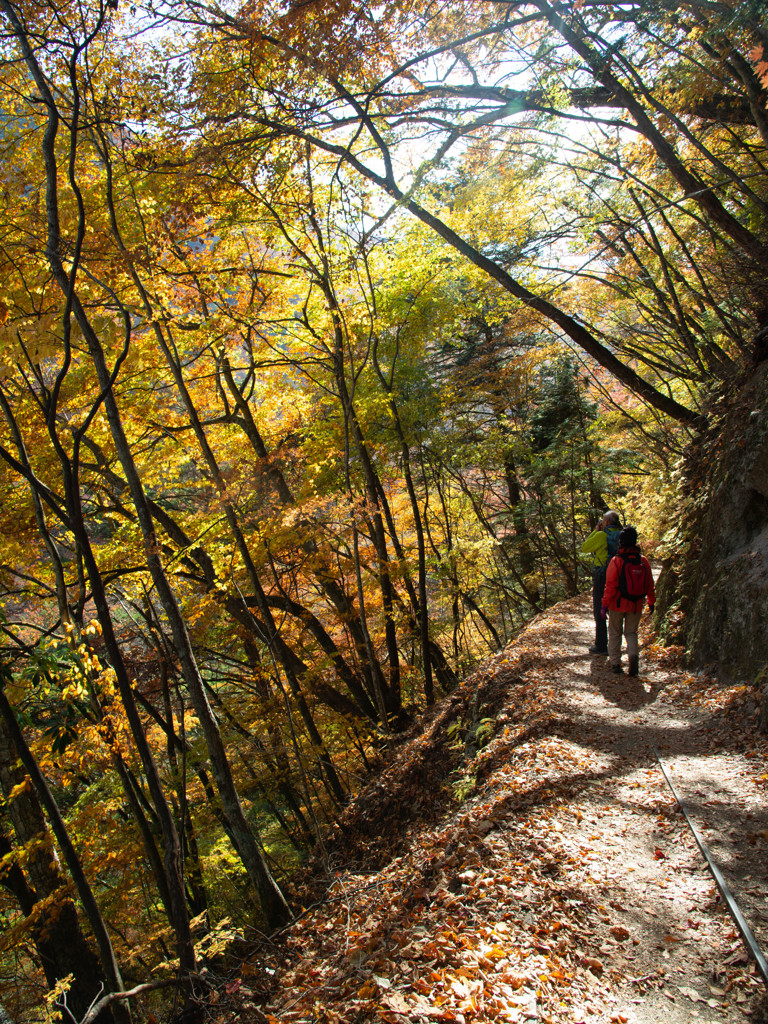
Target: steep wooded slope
x=547, y=875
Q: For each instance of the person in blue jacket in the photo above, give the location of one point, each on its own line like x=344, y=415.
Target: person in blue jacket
x=602, y=544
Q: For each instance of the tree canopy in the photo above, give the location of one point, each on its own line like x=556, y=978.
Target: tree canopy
x=326, y=332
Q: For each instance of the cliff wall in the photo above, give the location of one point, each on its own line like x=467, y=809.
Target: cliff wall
x=713, y=592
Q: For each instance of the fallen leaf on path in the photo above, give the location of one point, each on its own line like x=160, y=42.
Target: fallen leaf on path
x=398, y=1003
x=691, y=993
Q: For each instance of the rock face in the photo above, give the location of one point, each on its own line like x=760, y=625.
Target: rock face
x=713, y=594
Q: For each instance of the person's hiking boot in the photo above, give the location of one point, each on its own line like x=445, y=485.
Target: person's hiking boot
x=633, y=669
x=617, y=670
x=594, y=649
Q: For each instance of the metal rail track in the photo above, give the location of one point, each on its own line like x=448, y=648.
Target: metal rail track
x=745, y=931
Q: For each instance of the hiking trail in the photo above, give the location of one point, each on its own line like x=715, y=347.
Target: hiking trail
x=565, y=885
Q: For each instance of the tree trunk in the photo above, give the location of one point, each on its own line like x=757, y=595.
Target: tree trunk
x=66, y=950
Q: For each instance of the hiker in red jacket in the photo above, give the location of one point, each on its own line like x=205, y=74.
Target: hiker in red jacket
x=628, y=582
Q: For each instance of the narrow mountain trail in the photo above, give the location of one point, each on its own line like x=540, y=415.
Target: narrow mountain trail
x=668, y=948
x=548, y=875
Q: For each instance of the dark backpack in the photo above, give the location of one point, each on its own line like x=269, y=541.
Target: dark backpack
x=632, y=581
x=612, y=539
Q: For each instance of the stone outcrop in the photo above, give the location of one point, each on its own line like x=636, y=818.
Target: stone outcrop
x=713, y=593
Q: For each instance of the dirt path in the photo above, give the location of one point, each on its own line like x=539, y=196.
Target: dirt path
x=548, y=876
x=668, y=947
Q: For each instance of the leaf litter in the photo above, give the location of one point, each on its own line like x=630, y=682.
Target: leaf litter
x=548, y=876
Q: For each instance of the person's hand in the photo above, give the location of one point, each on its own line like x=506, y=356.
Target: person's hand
x=603, y=612
x=650, y=608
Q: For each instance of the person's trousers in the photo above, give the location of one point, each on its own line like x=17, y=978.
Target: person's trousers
x=598, y=589
x=625, y=623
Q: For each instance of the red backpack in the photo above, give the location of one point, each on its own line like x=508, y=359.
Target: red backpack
x=632, y=581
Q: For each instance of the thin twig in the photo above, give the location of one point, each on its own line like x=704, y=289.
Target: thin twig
x=96, y=1007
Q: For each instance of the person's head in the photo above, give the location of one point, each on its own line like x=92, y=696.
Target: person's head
x=628, y=537
x=610, y=519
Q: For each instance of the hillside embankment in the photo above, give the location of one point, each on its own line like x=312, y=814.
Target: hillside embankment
x=521, y=858
x=713, y=592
